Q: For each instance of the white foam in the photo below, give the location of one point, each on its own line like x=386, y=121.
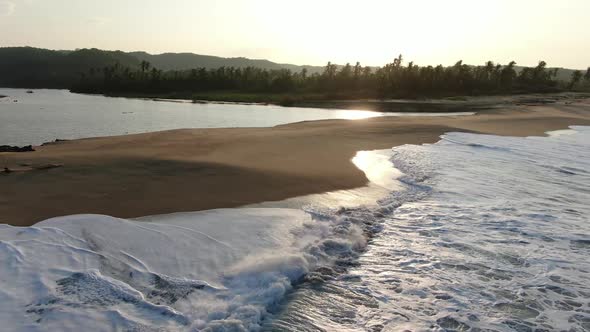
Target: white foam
x=495, y=238
x=561, y=132
x=178, y=272
x=488, y=232
x=382, y=176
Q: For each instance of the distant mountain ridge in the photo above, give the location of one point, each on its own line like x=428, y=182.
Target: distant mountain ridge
x=29, y=67
x=183, y=61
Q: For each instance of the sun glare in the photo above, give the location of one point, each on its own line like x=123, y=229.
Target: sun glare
x=376, y=31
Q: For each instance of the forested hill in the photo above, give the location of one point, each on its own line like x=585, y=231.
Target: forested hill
x=28, y=67
x=183, y=61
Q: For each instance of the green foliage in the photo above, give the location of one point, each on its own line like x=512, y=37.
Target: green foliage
x=392, y=80
x=185, y=61
x=576, y=78
x=29, y=67
x=119, y=73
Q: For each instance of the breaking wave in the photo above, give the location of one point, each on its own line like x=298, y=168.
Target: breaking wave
x=493, y=239
x=482, y=233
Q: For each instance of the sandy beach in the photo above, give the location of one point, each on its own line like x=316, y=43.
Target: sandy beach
x=198, y=169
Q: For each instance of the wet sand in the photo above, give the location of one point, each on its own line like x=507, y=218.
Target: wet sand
x=198, y=169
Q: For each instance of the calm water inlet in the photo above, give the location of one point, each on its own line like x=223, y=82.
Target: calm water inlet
x=45, y=115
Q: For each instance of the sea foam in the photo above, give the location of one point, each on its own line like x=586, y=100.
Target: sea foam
x=493, y=235
x=189, y=271
x=479, y=232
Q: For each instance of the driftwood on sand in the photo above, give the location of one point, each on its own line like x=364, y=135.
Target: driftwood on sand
x=27, y=168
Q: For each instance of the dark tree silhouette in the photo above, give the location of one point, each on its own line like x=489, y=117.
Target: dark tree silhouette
x=576, y=77
x=145, y=66
x=393, y=80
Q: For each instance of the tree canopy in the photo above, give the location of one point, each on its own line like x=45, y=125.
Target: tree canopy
x=395, y=79
x=116, y=72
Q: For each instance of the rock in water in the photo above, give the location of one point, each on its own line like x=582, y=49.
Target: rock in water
x=58, y=140
x=8, y=148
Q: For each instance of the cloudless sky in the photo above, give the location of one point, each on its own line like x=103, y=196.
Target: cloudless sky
x=313, y=31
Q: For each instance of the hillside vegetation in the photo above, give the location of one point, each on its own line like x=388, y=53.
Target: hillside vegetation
x=28, y=67
x=187, y=75
x=394, y=80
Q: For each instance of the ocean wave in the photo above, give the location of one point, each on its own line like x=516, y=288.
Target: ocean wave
x=494, y=237
x=214, y=270
x=477, y=232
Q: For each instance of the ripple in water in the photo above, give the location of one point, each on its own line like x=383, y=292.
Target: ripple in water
x=489, y=234
x=478, y=233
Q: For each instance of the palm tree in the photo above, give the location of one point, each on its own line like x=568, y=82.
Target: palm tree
x=576, y=77
x=304, y=74
x=330, y=70
x=398, y=61
x=539, y=74
x=489, y=69
x=507, y=76
x=357, y=70
x=145, y=66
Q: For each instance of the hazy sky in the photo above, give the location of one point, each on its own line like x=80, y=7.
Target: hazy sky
x=313, y=31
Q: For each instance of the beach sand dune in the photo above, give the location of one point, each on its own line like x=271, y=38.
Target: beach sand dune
x=197, y=169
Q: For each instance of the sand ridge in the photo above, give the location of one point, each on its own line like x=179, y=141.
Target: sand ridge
x=199, y=169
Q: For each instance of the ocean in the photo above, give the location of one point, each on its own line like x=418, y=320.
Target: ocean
x=473, y=233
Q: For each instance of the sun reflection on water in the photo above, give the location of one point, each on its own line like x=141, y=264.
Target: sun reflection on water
x=360, y=114
x=378, y=168
x=357, y=114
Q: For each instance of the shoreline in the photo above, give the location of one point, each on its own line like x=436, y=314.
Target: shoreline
x=418, y=104
x=441, y=104
x=184, y=170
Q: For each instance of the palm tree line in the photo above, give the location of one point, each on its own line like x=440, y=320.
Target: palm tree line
x=395, y=79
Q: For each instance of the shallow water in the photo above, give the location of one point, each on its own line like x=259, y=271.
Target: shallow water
x=378, y=169
x=478, y=233
x=46, y=115
x=492, y=234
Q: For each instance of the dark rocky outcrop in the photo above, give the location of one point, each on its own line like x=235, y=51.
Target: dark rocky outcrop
x=57, y=141
x=8, y=148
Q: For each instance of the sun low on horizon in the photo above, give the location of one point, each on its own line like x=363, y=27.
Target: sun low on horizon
x=312, y=32
x=393, y=165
